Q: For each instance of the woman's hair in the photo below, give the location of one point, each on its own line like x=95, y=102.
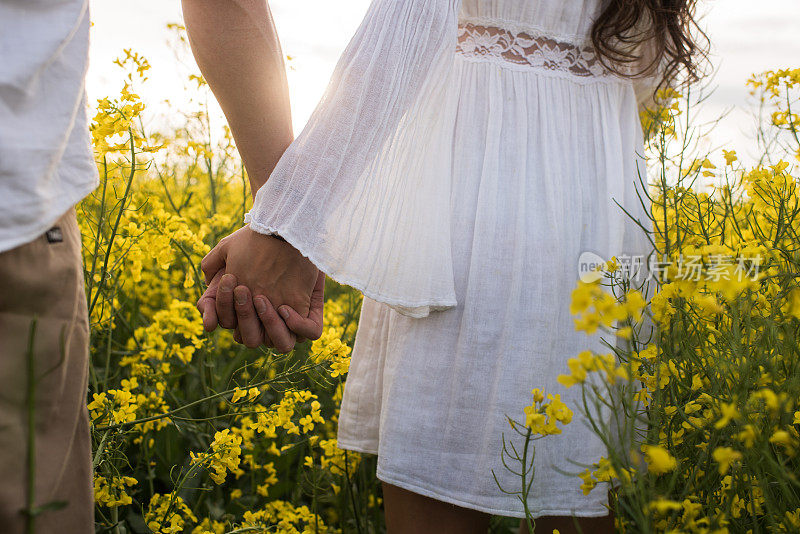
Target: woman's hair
x=654, y=36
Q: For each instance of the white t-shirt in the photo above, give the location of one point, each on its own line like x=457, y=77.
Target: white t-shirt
x=46, y=162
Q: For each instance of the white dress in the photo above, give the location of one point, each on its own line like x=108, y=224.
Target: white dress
x=464, y=156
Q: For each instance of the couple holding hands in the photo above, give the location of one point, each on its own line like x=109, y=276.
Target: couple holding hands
x=463, y=157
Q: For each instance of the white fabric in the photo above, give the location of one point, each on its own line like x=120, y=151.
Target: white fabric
x=362, y=191
x=354, y=192
x=46, y=165
x=465, y=171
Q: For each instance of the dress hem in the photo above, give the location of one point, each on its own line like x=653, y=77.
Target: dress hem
x=411, y=486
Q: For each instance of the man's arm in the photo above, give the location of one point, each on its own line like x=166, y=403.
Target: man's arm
x=237, y=49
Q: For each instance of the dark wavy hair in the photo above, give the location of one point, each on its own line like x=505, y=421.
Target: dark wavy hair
x=645, y=37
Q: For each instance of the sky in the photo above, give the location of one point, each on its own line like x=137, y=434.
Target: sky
x=746, y=37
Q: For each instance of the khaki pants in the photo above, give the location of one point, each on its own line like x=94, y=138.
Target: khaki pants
x=44, y=358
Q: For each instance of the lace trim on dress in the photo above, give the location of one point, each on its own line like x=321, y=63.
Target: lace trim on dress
x=527, y=50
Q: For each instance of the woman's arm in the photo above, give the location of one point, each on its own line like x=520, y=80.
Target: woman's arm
x=364, y=190
x=237, y=49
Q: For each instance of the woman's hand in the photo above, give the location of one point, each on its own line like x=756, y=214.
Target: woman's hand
x=250, y=276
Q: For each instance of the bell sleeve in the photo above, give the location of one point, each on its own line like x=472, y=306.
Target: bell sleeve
x=364, y=190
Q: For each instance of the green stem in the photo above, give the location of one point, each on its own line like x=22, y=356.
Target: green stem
x=135, y=422
x=31, y=445
x=528, y=518
x=350, y=491
x=104, y=270
x=99, y=451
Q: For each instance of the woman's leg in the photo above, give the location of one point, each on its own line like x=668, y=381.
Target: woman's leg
x=411, y=513
x=566, y=525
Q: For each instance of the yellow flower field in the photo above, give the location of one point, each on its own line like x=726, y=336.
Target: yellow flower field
x=195, y=433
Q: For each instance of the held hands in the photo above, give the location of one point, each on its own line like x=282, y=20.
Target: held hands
x=251, y=278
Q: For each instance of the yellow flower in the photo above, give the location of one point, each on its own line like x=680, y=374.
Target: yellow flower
x=111, y=493
x=238, y=394
x=534, y=420
x=793, y=308
x=582, y=296
x=557, y=410
x=330, y=347
x=541, y=418
x=589, y=482
x=664, y=506
x=747, y=436
x=659, y=460
x=728, y=411
x=771, y=400
x=578, y=367
x=725, y=457
x=224, y=456
x=793, y=520
x=634, y=304
x=167, y=514
x=785, y=439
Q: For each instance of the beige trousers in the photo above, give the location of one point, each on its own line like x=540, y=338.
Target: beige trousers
x=44, y=358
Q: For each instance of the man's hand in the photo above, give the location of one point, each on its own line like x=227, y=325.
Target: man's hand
x=310, y=327
x=250, y=276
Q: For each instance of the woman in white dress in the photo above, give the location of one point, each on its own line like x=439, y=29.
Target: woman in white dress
x=464, y=156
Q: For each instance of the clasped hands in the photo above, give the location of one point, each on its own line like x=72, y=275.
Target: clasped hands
x=263, y=289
